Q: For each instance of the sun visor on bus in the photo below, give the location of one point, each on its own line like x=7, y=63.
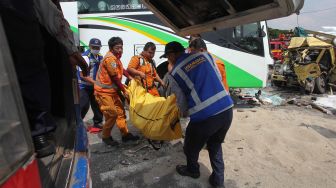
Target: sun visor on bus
x=187, y=17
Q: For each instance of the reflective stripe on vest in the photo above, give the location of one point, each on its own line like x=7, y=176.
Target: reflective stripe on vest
x=203, y=100
x=206, y=103
x=142, y=62
x=104, y=86
x=93, y=65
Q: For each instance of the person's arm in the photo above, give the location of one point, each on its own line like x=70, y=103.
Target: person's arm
x=126, y=73
x=86, y=78
x=133, y=65
x=53, y=20
x=121, y=86
x=118, y=84
x=158, y=79
x=181, y=99
x=111, y=66
x=136, y=73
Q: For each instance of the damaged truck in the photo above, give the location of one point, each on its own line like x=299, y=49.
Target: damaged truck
x=308, y=63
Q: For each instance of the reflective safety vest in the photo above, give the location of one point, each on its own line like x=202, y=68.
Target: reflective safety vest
x=93, y=65
x=199, y=78
x=149, y=69
x=139, y=63
x=110, y=66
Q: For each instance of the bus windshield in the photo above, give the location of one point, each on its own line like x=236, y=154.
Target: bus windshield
x=105, y=6
x=245, y=38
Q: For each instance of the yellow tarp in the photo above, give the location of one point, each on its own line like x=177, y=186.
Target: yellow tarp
x=156, y=117
x=297, y=42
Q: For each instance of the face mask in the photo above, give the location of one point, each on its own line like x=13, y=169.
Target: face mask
x=94, y=52
x=118, y=55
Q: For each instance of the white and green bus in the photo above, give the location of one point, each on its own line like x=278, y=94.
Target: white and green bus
x=244, y=48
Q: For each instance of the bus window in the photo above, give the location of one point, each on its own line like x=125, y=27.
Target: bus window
x=15, y=143
x=249, y=39
x=103, y=6
x=243, y=38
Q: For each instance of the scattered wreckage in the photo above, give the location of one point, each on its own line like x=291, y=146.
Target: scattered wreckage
x=250, y=98
x=308, y=63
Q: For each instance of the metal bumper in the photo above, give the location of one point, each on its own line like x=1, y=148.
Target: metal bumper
x=277, y=77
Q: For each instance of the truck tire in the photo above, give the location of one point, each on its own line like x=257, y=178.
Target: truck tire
x=320, y=84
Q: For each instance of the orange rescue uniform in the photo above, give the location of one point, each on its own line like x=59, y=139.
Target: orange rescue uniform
x=221, y=68
x=140, y=63
x=106, y=93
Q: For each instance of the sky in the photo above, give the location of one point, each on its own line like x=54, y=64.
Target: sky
x=317, y=15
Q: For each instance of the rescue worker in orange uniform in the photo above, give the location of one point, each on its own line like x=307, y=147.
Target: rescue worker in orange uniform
x=143, y=66
x=198, y=45
x=107, y=85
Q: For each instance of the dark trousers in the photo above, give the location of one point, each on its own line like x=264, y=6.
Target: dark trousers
x=87, y=98
x=27, y=49
x=35, y=92
x=212, y=132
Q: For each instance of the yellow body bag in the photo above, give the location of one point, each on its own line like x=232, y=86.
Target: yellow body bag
x=156, y=117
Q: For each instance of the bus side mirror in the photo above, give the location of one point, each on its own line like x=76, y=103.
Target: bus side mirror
x=261, y=32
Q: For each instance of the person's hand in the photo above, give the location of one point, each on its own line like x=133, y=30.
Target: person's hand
x=126, y=95
x=142, y=75
x=163, y=85
x=77, y=59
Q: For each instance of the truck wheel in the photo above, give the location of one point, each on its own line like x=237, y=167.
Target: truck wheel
x=320, y=84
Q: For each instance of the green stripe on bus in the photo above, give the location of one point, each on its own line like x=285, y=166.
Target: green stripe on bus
x=74, y=29
x=86, y=47
x=83, y=44
x=237, y=77
x=153, y=32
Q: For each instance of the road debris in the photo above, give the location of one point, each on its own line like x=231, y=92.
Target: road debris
x=257, y=97
x=125, y=163
x=326, y=111
x=327, y=102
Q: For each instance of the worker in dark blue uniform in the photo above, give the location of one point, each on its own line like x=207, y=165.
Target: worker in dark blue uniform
x=209, y=108
x=92, y=57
